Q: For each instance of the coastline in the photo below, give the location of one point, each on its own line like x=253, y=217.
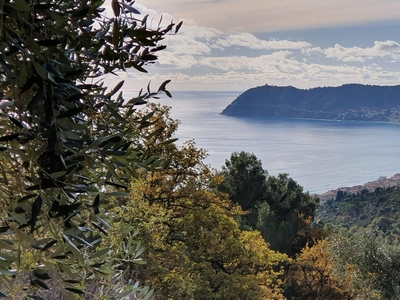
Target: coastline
x=381, y=182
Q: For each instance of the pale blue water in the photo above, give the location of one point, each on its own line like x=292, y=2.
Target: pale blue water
x=319, y=155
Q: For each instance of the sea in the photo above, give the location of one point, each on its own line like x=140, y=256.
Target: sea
x=320, y=155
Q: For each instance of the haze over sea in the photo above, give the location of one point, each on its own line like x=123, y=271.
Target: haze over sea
x=319, y=155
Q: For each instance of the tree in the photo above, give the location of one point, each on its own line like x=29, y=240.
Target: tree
x=276, y=206
x=370, y=263
x=311, y=276
x=195, y=248
x=67, y=143
x=285, y=197
x=244, y=179
x=293, y=210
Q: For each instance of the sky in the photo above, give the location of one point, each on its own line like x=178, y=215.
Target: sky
x=234, y=45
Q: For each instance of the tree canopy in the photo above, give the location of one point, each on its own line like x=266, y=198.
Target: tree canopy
x=195, y=248
x=244, y=179
x=277, y=206
x=68, y=143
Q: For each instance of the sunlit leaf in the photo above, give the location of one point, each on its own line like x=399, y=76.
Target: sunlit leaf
x=116, y=89
x=75, y=251
x=130, y=8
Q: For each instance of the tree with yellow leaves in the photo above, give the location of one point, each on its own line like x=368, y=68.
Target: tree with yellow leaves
x=311, y=276
x=194, y=247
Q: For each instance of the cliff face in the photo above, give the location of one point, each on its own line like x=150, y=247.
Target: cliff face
x=347, y=102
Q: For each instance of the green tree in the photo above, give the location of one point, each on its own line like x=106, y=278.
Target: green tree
x=288, y=228
x=276, y=206
x=67, y=143
x=244, y=179
x=286, y=197
x=370, y=263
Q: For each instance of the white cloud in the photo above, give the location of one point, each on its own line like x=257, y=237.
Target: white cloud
x=381, y=49
x=204, y=58
x=249, y=40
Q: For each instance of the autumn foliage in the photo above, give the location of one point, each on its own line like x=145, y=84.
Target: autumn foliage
x=195, y=249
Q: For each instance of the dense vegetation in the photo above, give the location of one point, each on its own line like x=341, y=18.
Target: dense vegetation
x=375, y=210
x=98, y=202
x=68, y=144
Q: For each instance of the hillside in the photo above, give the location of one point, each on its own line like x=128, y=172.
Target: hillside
x=378, y=209
x=346, y=102
x=381, y=182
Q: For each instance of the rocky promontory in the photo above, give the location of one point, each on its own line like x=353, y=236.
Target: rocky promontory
x=351, y=102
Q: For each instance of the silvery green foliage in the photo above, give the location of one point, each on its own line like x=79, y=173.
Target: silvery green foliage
x=67, y=142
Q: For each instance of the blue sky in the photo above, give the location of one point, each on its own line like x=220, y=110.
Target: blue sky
x=235, y=45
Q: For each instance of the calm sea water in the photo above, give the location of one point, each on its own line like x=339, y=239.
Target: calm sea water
x=319, y=155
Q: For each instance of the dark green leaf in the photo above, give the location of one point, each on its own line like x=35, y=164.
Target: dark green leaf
x=168, y=28
x=115, y=7
x=81, y=241
x=163, y=85
x=59, y=257
x=41, y=274
x=130, y=8
x=36, y=99
x=71, y=135
x=8, y=138
x=75, y=251
x=48, y=245
x=75, y=98
x=168, y=93
x=72, y=281
x=112, y=139
x=27, y=197
x=96, y=204
x=49, y=43
x=139, y=68
x=87, y=86
x=158, y=48
x=28, y=84
x=116, y=115
x=70, y=113
x=40, y=283
x=178, y=26
x=80, y=186
x=36, y=208
x=40, y=70
x=16, y=122
x=64, y=210
x=116, y=184
x=4, y=229
x=20, y=6
x=102, y=230
x=148, y=57
x=76, y=291
x=100, y=253
x=6, y=67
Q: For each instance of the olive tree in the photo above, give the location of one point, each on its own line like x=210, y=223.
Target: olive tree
x=67, y=142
